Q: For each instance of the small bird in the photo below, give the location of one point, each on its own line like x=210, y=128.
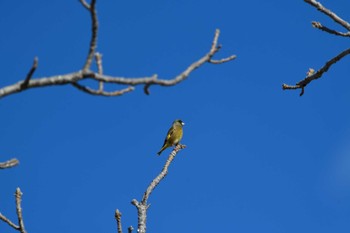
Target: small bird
x=174, y=135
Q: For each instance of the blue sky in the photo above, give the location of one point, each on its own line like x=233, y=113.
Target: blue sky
x=258, y=159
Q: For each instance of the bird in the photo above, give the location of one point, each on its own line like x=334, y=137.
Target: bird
x=173, y=136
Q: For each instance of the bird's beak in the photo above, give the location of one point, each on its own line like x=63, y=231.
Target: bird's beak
x=182, y=123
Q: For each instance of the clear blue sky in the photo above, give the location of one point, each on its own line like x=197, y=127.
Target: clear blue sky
x=258, y=159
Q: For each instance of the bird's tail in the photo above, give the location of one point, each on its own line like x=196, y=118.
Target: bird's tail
x=161, y=150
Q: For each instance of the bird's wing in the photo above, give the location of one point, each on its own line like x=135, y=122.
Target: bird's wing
x=170, y=132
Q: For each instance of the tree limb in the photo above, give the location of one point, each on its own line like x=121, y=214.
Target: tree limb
x=329, y=13
x=312, y=76
x=118, y=217
x=142, y=206
x=8, y=164
x=18, y=196
x=318, y=25
x=86, y=73
x=20, y=227
x=94, y=29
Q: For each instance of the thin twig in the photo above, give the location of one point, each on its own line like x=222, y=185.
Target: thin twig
x=18, y=196
x=142, y=206
x=206, y=58
x=8, y=164
x=98, y=58
x=93, y=41
x=303, y=83
x=328, y=12
x=118, y=217
x=318, y=25
x=30, y=73
x=222, y=60
x=8, y=221
x=103, y=93
x=85, y=4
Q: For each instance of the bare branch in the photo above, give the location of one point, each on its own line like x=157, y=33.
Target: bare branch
x=94, y=29
x=102, y=93
x=8, y=164
x=20, y=227
x=6, y=220
x=143, y=205
x=206, y=58
x=18, y=196
x=98, y=58
x=223, y=60
x=318, y=25
x=162, y=174
x=72, y=78
x=328, y=12
x=30, y=73
x=85, y=4
x=86, y=73
x=312, y=76
x=118, y=216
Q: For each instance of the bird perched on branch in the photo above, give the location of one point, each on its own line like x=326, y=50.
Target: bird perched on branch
x=174, y=135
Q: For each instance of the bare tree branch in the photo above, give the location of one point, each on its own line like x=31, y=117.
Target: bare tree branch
x=8, y=164
x=206, y=58
x=98, y=58
x=118, y=217
x=18, y=196
x=318, y=25
x=20, y=226
x=312, y=76
x=85, y=4
x=94, y=29
x=6, y=220
x=101, y=92
x=329, y=13
x=73, y=78
x=30, y=73
x=86, y=73
x=142, y=206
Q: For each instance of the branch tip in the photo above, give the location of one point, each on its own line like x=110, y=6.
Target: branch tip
x=135, y=202
x=94, y=29
x=10, y=163
x=30, y=73
x=85, y=4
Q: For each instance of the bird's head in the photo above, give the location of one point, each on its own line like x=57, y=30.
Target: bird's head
x=178, y=122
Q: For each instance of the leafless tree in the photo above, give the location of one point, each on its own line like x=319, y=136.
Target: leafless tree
x=311, y=74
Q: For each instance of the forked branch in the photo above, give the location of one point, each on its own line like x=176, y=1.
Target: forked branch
x=20, y=225
x=143, y=205
x=316, y=75
x=86, y=72
x=310, y=76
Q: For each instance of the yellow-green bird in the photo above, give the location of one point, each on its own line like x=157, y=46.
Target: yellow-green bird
x=174, y=135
